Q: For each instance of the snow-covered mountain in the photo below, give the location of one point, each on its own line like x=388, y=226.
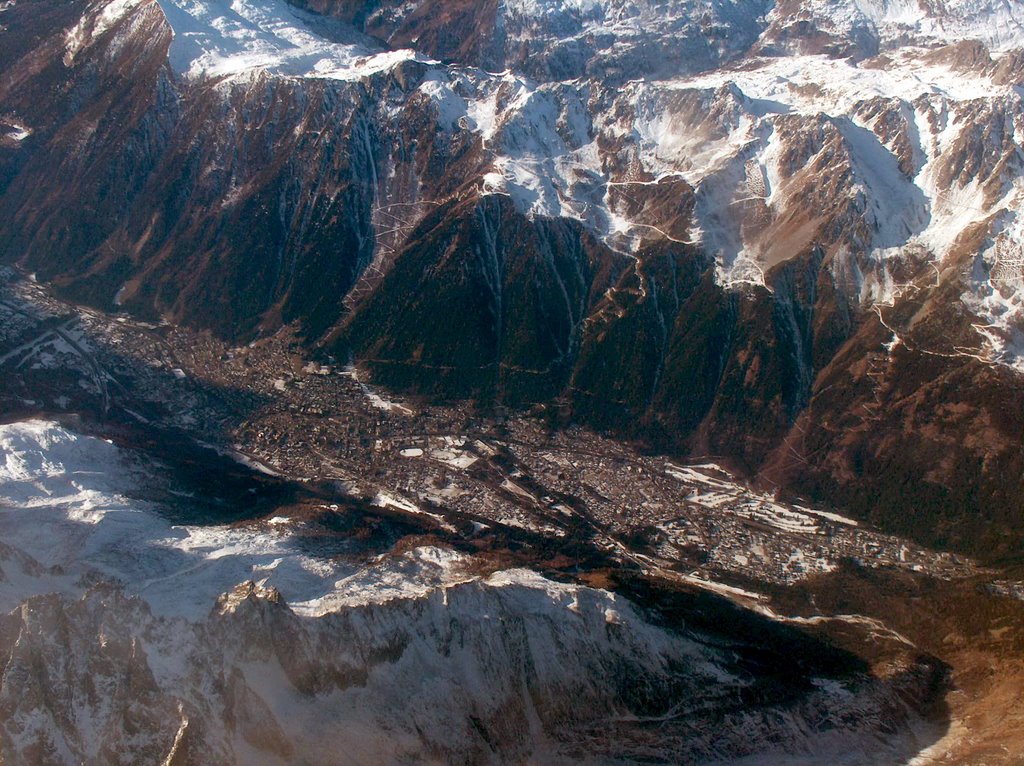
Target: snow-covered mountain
x=129, y=640
x=783, y=234
x=879, y=133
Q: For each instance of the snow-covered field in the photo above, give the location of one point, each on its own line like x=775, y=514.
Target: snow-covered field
x=216, y=39
x=64, y=502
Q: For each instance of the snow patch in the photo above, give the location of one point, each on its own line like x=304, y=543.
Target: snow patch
x=216, y=38
x=67, y=501
x=15, y=131
x=995, y=292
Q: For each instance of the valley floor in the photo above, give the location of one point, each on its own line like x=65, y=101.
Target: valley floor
x=262, y=465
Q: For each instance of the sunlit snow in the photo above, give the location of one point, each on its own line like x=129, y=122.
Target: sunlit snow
x=216, y=38
x=68, y=501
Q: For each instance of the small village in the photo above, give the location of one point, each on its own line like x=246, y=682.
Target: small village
x=456, y=470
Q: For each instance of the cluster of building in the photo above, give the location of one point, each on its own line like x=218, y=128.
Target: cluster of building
x=486, y=476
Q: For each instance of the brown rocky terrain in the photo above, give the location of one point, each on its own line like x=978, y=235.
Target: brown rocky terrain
x=785, y=243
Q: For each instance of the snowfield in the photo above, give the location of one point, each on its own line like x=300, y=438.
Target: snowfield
x=219, y=39
x=64, y=502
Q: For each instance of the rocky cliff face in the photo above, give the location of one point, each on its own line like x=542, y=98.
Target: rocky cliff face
x=501, y=671
x=788, y=237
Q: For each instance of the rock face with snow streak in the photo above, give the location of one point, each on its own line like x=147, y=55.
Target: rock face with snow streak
x=786, y=234
x=101, y=665
x=502, y=671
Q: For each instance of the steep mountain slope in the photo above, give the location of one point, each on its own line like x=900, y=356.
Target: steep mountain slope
x=788, y=238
